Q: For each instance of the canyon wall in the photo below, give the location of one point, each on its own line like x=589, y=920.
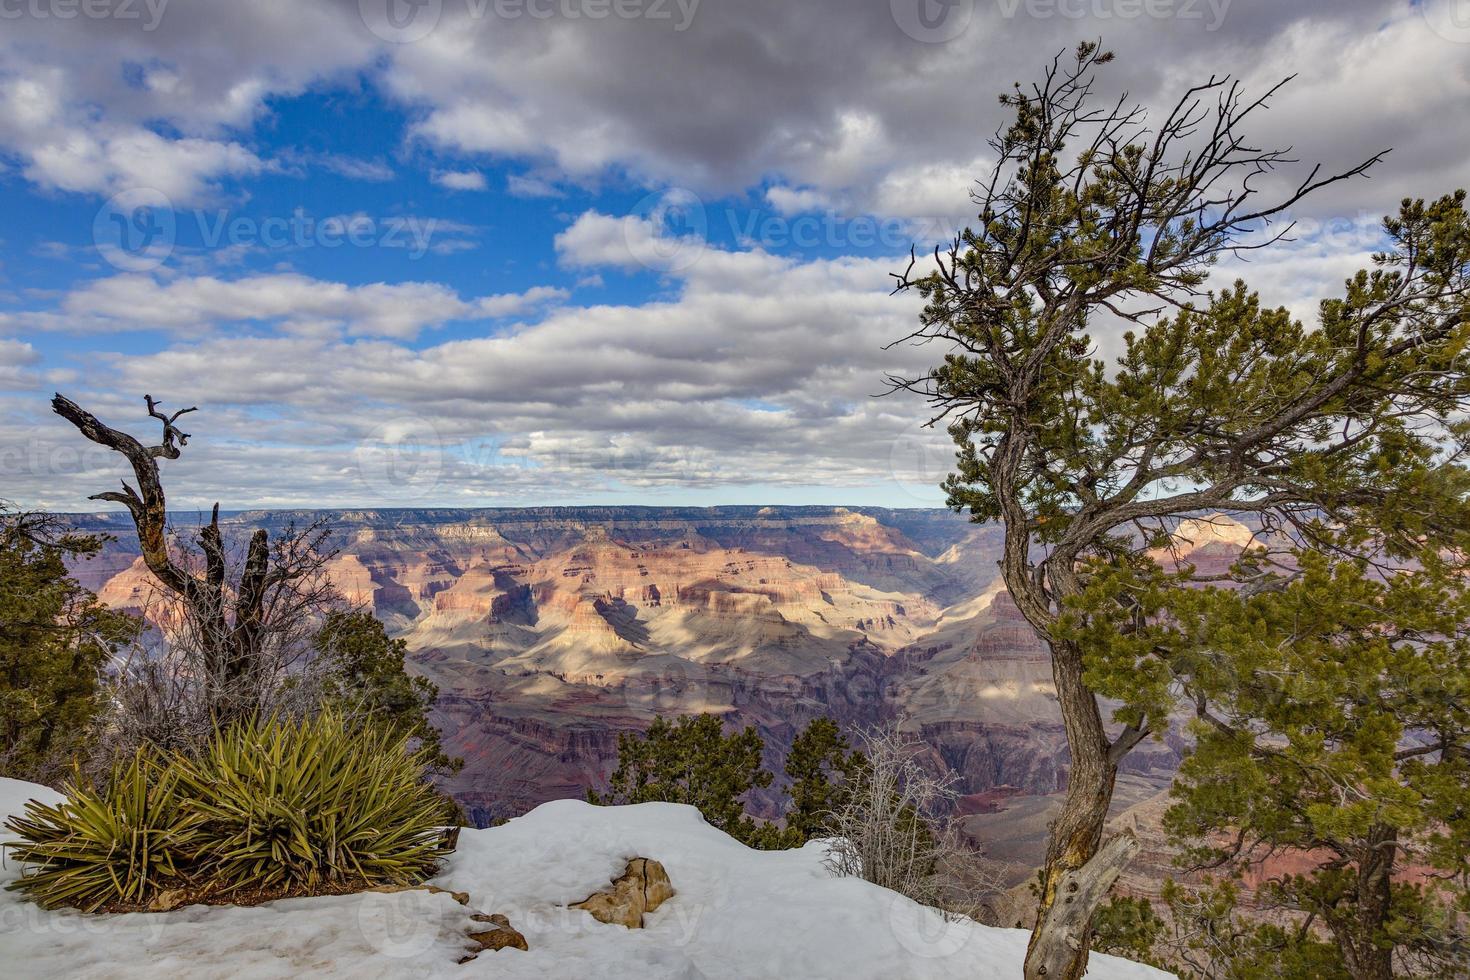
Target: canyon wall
x=551, y=630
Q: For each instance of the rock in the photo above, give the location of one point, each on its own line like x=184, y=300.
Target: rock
x=499, y=938
x=643, y=887
x=167, y=900
x=502, y=936
x=494, y=917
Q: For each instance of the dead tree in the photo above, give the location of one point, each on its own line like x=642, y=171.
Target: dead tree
x=233, y=624
x=892, y=827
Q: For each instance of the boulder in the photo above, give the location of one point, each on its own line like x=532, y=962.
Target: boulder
x=643, y=887
x=500, y=936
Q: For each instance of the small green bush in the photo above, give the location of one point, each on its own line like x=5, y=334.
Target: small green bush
x=117, y=846
x=271, y=808
x=290, y=807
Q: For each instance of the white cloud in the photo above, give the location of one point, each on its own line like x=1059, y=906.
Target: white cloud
x=826, y=99
x=297, y=303
x=66, y=150
x=98, y=106
x=631, y=243
x=791, y=200
x=834, y=102
x=751, y=368
x=460, y=180
x=526, y=185
x=758, y=370
x=374, y=171
x=16, y=359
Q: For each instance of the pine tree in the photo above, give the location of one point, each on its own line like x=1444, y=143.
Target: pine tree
x=55, y=642
x=691, y=760
x=1334, y=727
x=820, y=767
x=365, y=673
x=1208, y=934
x=1094, y=212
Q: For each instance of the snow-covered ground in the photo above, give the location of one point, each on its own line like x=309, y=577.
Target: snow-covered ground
x=737, y=913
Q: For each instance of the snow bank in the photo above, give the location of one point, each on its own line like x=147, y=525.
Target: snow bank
x=737, y=913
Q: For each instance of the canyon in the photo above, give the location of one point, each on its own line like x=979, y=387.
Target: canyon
x=550, y=631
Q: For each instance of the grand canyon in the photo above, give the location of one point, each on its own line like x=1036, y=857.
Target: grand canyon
x=549, y=631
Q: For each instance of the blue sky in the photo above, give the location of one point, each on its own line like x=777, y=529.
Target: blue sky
x=515, y=259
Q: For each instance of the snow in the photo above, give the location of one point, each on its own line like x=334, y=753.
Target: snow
x=737, y=913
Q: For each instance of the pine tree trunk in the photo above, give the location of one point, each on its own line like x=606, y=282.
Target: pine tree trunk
x=1073, y=883
x=1365, y=957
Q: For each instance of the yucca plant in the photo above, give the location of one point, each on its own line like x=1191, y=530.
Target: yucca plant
x=114, y=846
x=290, y=807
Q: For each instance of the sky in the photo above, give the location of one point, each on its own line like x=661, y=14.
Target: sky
x=412, y=253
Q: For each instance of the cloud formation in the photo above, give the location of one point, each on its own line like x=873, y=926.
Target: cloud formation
x=739, y=366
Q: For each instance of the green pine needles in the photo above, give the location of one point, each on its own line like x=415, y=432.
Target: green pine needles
x=692, y=760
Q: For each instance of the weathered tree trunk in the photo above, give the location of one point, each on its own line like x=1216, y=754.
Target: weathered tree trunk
x=1077, y=874
x=1364, y=957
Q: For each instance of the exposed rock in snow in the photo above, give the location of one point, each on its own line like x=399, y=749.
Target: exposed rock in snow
x=501, y=935
x=737, y=913
x=643, y=887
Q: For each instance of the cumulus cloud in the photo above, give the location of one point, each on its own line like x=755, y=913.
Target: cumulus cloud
x=840, y=103
x=749, y=368
x=65, y=149
x=669, y=239
x=297, y=303
x=830, y=100
x=16, y=359
x=99, y=105
x=460, y=180
x=760, y=370
x=796, y=200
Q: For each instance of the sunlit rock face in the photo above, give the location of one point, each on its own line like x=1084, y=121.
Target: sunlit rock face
x=549, y=631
